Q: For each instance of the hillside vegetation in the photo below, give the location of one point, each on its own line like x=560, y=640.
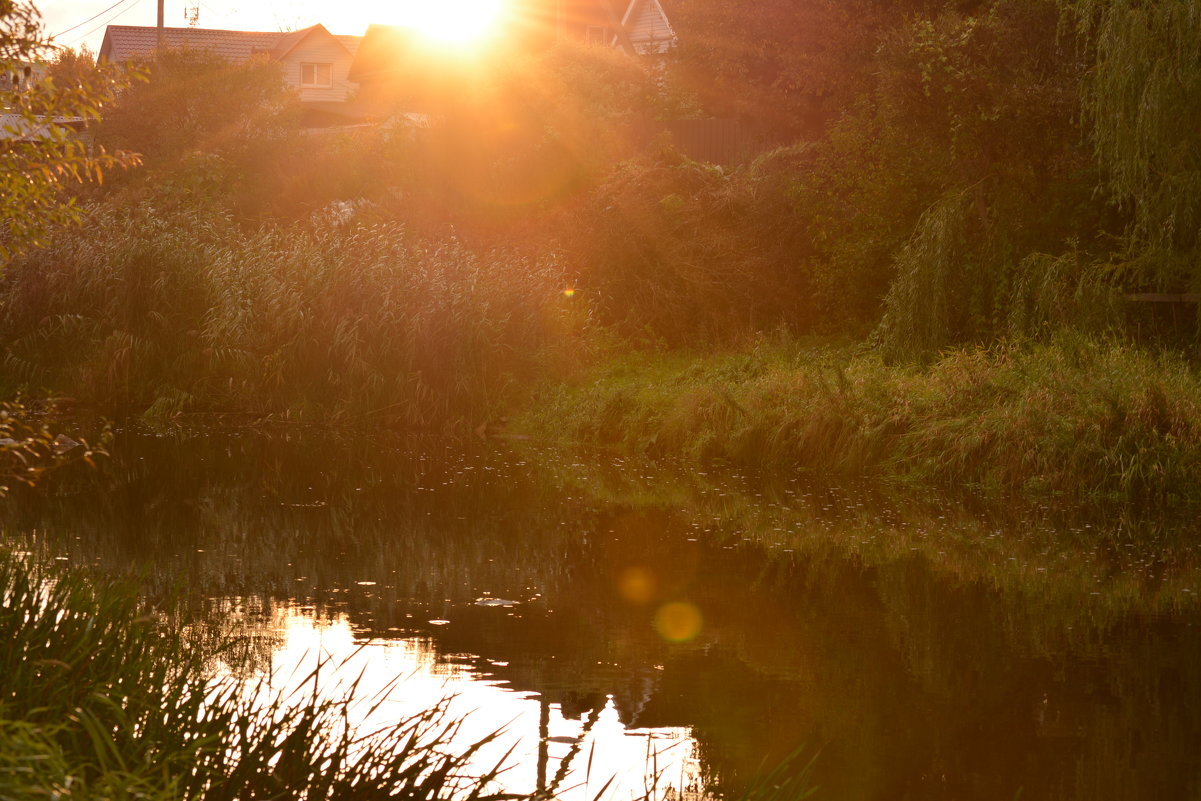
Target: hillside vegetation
x=966, y=193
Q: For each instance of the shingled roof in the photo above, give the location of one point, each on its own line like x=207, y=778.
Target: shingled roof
x=126, y=42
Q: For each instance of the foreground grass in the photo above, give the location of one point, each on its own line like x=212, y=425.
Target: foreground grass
x=103, y=698
x=1078, y=417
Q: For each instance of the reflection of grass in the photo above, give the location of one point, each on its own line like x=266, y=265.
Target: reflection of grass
x=1051, y=568
x=881, y=589
x=102, y=698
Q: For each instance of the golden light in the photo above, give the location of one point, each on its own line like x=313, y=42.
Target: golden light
x=637, y=585
x=678, y=621
x=452, y=22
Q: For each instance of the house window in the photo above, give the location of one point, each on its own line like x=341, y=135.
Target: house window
x=317, y=75
x=597, y=34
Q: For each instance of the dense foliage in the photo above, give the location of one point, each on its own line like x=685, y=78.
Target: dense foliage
x=953, y=175
x=184, y=311
x=1143, y=103
x=40, y=156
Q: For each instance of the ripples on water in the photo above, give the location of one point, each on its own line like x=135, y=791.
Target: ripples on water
x=715, y=622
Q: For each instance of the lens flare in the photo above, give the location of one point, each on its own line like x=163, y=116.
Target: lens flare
x=637, y=585
x=460, y=23
x=678, y=621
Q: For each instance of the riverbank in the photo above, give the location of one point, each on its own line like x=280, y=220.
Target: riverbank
x=368, y=326
x=1078, y=417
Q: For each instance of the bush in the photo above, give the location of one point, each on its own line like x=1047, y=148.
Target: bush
x=690, y=254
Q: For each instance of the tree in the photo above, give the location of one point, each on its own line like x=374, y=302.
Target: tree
x=40, y=159
x=791, y=65
x=41, y=156
x=193, y=101
x=1144, y=107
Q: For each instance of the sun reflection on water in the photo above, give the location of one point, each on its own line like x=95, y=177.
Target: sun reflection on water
x=407, y=675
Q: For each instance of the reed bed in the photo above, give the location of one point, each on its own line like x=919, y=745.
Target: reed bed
x=1078, y=416
x=166, y=310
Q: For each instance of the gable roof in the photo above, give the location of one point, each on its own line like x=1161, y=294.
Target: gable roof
x=126, y=42
x=290, y=41
x=647, y=26
x=644, y=28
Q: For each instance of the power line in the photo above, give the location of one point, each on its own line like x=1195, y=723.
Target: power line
x=106, y=22
x=89, y=19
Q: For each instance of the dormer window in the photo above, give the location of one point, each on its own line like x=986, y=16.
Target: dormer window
x=317, y=75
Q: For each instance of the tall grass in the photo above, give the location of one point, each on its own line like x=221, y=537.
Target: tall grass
x=164, y=310
x=102, y=696
x=1078, y=416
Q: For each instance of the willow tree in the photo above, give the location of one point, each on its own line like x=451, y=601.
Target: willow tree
x=1143, y=104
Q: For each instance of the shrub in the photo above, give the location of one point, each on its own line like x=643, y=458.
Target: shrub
x=690, y=254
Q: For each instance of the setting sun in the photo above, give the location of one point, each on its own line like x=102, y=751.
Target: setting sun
x=458, y=22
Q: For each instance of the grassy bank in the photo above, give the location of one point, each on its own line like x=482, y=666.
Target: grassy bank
x=1078, y=417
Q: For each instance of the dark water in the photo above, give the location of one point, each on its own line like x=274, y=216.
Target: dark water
x=683, y=630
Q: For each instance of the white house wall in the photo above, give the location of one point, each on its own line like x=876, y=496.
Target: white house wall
x=320, y=50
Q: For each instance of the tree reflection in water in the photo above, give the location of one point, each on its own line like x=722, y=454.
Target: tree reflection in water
x=923, y=648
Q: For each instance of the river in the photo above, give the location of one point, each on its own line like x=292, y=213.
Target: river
x=669, y=630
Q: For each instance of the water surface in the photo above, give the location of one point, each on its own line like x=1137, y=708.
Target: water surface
x=678, y=629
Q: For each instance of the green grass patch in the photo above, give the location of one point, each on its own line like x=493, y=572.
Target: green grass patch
x=1078, y=417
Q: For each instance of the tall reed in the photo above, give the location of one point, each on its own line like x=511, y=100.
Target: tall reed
x=163, y=310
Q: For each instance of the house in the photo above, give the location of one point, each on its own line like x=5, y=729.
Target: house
x=315, y=62
x=38, y=129
x=20, y=76
x=647, y=27
x=636, y=26
x=17, y=125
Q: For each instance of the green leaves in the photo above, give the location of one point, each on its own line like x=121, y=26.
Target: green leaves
x=43, y=154
x=29, y=449
x=1143, y=104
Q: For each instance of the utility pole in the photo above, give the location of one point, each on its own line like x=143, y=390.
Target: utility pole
x=160, y=25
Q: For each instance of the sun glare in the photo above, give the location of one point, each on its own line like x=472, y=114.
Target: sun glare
x=455, y=22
